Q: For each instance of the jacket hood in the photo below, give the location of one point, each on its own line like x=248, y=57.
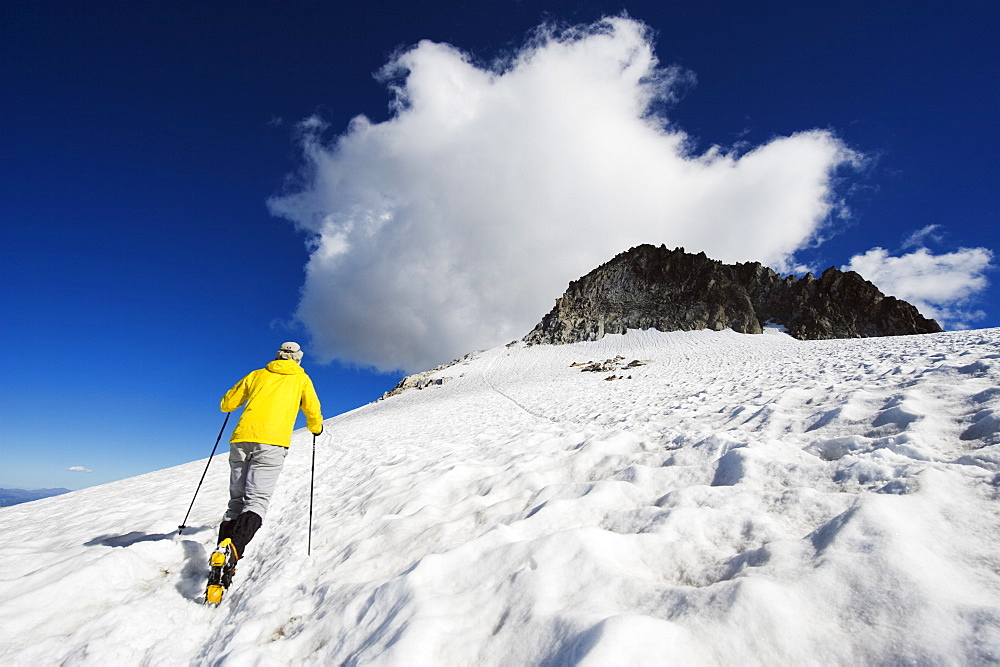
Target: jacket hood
x=285, y=367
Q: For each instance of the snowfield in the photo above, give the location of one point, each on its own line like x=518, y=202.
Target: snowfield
x=736, y=500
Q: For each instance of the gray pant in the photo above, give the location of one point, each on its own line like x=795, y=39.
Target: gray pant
x=253, y=476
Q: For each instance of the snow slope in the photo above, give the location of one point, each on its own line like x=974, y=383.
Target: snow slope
x=736, y=500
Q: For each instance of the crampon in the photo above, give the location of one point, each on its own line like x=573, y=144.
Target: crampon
x=223, y=566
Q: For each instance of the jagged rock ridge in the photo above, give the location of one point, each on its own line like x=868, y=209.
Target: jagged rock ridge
x=650, y=287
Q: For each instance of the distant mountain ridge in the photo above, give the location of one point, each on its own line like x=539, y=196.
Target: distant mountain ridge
x=10, y=497
x=650, y=287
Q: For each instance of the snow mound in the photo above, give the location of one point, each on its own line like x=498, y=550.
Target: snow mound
x=735, y=499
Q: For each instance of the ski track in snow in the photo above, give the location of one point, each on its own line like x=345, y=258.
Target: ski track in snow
x=736, y=500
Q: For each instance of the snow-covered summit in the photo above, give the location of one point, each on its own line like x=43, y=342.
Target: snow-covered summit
x=737, y=499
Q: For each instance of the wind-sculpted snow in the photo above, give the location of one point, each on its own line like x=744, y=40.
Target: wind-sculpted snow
x=735, y=500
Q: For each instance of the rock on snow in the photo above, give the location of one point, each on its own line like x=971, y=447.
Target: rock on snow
x=739, y=499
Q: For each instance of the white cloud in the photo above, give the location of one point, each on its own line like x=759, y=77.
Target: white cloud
x=455, y=224
x=940, y=286
x=79, y=469
x=918, y=238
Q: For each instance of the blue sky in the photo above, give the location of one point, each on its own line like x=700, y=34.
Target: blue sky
x=141, y=143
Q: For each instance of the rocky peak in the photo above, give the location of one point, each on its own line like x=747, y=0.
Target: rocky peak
x=650, y=287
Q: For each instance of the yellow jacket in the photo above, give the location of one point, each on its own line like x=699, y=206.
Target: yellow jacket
x=273, y=396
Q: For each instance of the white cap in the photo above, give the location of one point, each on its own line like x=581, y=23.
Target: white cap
x=290, y=350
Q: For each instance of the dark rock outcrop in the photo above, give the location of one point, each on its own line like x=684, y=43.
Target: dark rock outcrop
x=650, y=287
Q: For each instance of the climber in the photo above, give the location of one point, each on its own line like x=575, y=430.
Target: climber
x=272, y=397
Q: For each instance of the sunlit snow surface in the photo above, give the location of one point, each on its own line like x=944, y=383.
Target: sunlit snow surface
x=738, y=500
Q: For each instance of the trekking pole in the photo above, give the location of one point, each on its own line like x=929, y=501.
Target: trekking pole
x=312, y=478
x=180, y=528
